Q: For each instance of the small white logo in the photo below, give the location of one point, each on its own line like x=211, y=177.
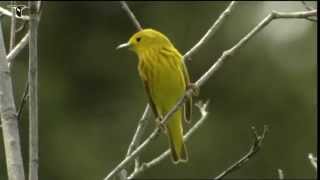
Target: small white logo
x=18, y=8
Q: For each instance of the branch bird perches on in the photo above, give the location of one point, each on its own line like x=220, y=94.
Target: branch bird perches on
x=9, y=122
x=204, y=78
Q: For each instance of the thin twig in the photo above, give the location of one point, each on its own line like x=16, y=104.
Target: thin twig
x=10, y=130
x=312, y=19
x=13, y=53
x=23, y=100
x=208, y=74
x=139, y=133
x=141, y=125
x=143, y=120
x=255, y=147
x=134, y=154
x=228, y=53
x=309, y=9
x=280, y=174
x=8, y=13
x=203, y=40
x=18, y=48
x=272, y=16
x=13, y=27
x=211, y=31
x=22, y=27
x=313, y=160
x=33, y=91
x=133, y=18
x=204, y=114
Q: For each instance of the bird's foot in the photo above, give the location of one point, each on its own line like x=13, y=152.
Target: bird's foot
x=195, y=89
x=160, y=125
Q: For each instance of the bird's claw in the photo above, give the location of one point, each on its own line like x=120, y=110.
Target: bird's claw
x=195, y=89
x=160, y=125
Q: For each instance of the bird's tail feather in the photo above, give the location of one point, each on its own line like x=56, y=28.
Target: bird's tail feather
x=175, y=135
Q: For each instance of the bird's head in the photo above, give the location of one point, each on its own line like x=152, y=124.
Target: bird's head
x=145, y=40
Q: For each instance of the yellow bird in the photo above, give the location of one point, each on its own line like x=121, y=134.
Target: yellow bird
x=165, y=77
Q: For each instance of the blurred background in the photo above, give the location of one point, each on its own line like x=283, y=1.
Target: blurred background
x=91, y=97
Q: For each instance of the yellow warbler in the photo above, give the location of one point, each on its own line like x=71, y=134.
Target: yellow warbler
x=165, y=78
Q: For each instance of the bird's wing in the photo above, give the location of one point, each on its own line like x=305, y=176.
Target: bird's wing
x=152, y=105
x=188, y=105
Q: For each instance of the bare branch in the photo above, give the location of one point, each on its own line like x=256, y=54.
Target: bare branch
x=280, y=173
x=17, y=49
x=203, y=40
x=313, y=160
x=141, y=125
x=208, y=74
x=272, y=16
x=133, y=18
x=204, y=78
x=134, y=154
x=9, y=119
x=195, y=48
x=312, y=19
x=309, y=9
x=33, y=91
x=24, y=41
x=143, y=120
x=256, y=146
x=8, y=13
x=211, y=31
x=23, y=100
x=293, y=15
x=22, y=26
x=204, y=114
x=139, y=132
x=13, y=27
x=13, y=53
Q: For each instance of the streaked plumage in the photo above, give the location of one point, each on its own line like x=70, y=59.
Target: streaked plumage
x=165, y=78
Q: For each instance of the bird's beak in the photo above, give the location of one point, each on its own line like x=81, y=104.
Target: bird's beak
x=124, y=45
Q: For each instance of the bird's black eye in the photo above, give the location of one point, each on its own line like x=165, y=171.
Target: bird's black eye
x=138, y=39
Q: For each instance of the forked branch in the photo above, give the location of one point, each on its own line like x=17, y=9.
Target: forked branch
x=9, y=13
x=9, y=123
x=204, y=78
x=210, y=33
x=255, y=147
x=143, y=120
x=204, y=114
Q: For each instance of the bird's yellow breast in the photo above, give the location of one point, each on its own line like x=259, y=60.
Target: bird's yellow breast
x=162, y=70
